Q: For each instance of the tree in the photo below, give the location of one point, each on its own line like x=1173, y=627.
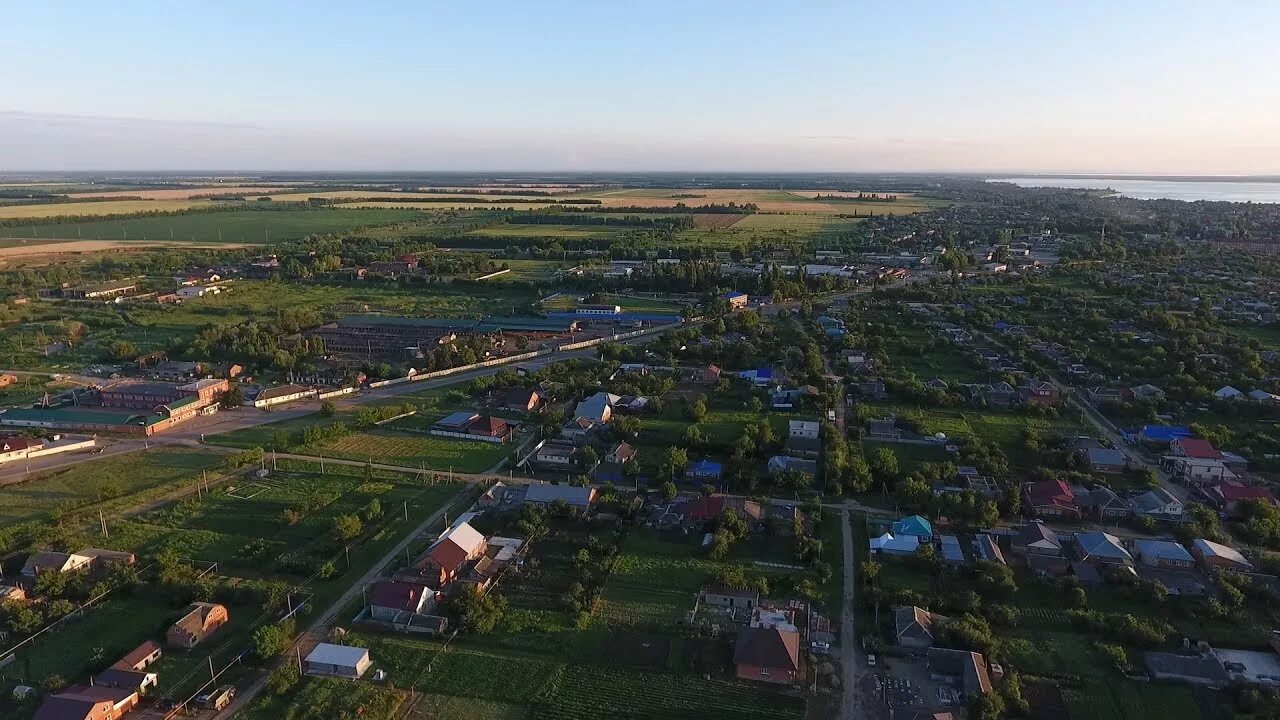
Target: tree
x=697, y=410
x=123, y=350
x=232, y=398
x=588, y=457
x=676, y=460
x=328, y=408
x=271, y=640
x=669, y=491
x=474, y=613
x=346, y=527
x=986, y=706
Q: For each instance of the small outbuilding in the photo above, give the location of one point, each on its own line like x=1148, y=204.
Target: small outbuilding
x=341, y=661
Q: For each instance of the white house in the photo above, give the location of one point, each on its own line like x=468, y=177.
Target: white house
x=887, y=544
x=1226, y=392
x=803, y=429
x=556, y=453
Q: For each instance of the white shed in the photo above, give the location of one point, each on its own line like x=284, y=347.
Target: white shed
x=338, y=661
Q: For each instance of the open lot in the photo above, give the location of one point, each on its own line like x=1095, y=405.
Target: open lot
x=233, y=226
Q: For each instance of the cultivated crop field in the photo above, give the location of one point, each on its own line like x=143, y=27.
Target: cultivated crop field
x=414, y=450
x=232, y=226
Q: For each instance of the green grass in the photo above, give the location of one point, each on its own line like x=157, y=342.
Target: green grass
x=329, y=698
x=413, y=450
x=629, y=303
x=449, y=707
x=107, y=482
x=539, y=230
x=250, y=226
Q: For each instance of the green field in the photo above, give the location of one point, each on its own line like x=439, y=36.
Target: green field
x=521, y=230
x=414, y=450
x=235, y=226
x=628, y=303
x=130, y=477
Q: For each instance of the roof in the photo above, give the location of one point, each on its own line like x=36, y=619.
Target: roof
x=339, y=655
x=64, y=415
x=1153, y=500
x=802, y=425
x=282, y=391
x=455, y=546
x=622, y=450
x=912, y=525
x=378, y=321
x=66, y=707
x=1165, y=433
x=971, y=667
x=194, y=616
x=909, y=618
x=458, y=419
x=572, y=494
x=1234, y=492
x=703, y=467
x=19, y=443
x=1198, y=448
x=1101, y=545
x=1211, y=549
x=768, y=648
x=1055, y=493
x=557, y=449
x=1162, y=550
x=731, y=592
x=988, y=549
x=1036, y=532
x=398, y=595
x=488, y=425
x=594, y=406
x=889, y=543
x=138, y=654
x=1105, y=456
x=951, y=548
x=778, y=463
x=121, y=678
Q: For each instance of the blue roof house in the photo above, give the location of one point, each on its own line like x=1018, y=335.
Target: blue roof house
x=703, y=470
x=759, y=376
x=914, y=525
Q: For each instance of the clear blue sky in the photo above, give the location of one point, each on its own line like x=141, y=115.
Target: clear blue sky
x=1127, y=86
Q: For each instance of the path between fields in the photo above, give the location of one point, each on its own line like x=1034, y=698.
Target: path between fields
x=316, y=632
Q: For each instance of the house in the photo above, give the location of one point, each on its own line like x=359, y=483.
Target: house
x=337, y=661
x=1162, y=554
x=141, y=657
x=913, y=626
x=985, y=547
x=1159, y=504
x=730, y=597
x=620, y=454
x=965, y=670
x=395, y=601
x=886, y=429
x=556, y=454
x=1211, y=554
x=468, y=425
x=760, y=377
x=914, y=525
x=522, y=400
x=199, y=620
x=1194, y=448
x=283, y=394
x=49, y=561
x=579, y=431
x=1102, y=504
x=704, y=470
x=1050, y=498
x=706, y=508
x=1035, y=392
x=736, y=300
x=1226, y=392
x=784, y=463
x=803, y=429
x=444, y=560
x=138, y=681
x=74, y=707
x=1101, y=548
x=1105, y=460
x=1263, y=396
x=704, y=375
x=1144, y=392
x=887, y=544
x=598, y=407
x=949, y=548
x=769, y=655
x=12, y=593
x=1036, y=538
x=872, y=390
x=1196, y=471
x=579, y=499
x=1229, y=497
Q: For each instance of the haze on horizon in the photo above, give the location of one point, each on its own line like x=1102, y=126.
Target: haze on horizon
x=1092, y=87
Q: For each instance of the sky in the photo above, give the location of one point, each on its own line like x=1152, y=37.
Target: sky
x=699, y=85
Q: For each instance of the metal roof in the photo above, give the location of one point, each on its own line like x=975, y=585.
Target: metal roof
x=339, y=655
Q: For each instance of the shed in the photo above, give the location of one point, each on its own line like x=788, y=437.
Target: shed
x=338, y=661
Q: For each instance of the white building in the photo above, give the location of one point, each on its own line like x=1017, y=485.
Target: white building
x=338, y=661
x=803, y=429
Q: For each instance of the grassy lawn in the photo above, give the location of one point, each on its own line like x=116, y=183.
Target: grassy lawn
x=130, y=478
x=568, y=301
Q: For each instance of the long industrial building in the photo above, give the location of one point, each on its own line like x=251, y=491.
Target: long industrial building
x=400, y=336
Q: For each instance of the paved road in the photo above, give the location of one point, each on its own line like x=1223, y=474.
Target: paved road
x=850, y=657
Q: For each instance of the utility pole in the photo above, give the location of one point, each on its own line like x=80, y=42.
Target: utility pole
x=406, y=510
x=103, y=520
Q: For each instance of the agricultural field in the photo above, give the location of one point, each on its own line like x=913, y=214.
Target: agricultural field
x=229, y=226
x=530, y=270
x=179, y=193
x=529, y=231
x=629, y=303
x=414, y=449
x=655, y=582
x=106, y=207
x=105, y=483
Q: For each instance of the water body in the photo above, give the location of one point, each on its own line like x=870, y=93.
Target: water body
x=1139, y=189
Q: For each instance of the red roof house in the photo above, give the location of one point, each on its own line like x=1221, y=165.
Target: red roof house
x=1230, y=496
x=768, y=654
x=1050, y=498
x=1195, y=448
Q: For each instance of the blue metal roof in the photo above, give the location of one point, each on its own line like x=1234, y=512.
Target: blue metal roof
x=704, y=467
x=912, y=525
